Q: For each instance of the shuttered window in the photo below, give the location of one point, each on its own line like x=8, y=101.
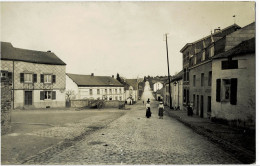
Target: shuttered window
x=10, y=74
x=42, y=95
x=53, y=78
x=218, y=83
x=42, y=78
x=21, y=77
x=53, y=95
x=233, y=91
x=34, y=77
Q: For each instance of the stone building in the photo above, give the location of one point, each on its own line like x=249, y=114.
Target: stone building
x=94, y=87
x=38, y=78
x=234, y=85
x=197, y=70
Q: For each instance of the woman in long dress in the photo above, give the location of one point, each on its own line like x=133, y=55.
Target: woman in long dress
x=161, y=109
x=148, y=109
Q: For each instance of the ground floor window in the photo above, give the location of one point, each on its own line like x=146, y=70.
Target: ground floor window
x=47, y=95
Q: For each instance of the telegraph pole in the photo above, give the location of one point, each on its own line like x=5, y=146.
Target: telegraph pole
x=168, y=72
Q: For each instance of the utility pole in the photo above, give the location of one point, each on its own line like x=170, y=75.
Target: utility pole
x=168, y=72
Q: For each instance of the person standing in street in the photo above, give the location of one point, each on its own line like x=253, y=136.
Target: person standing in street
x=148, y=109
x=160, y=110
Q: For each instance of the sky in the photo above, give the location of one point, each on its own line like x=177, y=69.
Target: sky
x=106, y=38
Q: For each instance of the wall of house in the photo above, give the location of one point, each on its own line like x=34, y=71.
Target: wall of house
x=177, y=94
x=200, y=108
x=73, y=87
x=240, y=35
x=133, y=94
x=244, y=110
x=36, y=102
x=36, y=87
x=84, y=93
x=157, y=86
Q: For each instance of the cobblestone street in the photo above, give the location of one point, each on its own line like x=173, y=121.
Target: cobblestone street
x=134, y=139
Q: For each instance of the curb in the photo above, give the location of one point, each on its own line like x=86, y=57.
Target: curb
x=241, y=154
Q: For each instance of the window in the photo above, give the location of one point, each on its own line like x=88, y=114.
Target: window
x=195, y=60
x=98, y=91
x=202, y=79
x=184, y=74
x=105, y=91
x=48, y=78
x=194, y=80
x=110, y=91
x=120, y=98
x=188, y=75
x=227, y=90
x=211, y=54
x=184, y=96
x=47, y=95
x=230, y=64
x=210, y=78
x=116, y=98
x=120, y=91
x=203, y=56
x=116, y=92
x=28, y=78
x=90, y=91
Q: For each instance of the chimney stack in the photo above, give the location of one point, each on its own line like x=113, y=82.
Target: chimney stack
x=217, y=30
x=92, y=74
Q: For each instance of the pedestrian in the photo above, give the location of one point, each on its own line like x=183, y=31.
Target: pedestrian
x=190, y=111
x=143, y=102
x=160, y=110
x=148, y=110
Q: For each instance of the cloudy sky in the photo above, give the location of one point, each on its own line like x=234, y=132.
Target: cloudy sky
x=106, y=38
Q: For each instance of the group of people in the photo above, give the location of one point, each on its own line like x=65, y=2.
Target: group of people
x=148, y=109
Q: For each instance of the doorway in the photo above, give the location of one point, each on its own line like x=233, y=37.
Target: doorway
x=28, y=98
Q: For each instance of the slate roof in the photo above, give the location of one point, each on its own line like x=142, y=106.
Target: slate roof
x=88, y=80
x=247, y=46
x=8, y=52
x=132, y=82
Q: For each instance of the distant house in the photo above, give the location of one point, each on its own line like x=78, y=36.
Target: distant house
x=234, y=83
x=94, y=87
x=157, y=86
x=131, y=89
x=159, y=95
x=38, y=78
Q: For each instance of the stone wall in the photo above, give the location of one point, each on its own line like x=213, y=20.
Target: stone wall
x=79, y=103
x=6, y=105
x=113, y=104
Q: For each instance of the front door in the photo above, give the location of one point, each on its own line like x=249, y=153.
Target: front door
x=201, y=107
x=28, y=98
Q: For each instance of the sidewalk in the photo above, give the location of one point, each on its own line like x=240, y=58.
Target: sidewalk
x=238, y=142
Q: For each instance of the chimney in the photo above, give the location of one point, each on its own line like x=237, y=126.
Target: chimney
x=112, y=76
x=49, y=51
x=92, y=74
x=217, y=30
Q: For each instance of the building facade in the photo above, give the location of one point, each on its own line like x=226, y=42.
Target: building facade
x=38, y=78
x=131, y=89
x=94, y=87
x=157, y=86
x=177, y=91
x=197, y=69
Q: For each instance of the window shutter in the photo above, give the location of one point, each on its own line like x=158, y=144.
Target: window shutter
x=21, y=77
x=53, y=78
x=34, y=77
x=10, y=74
x=42, y=78
x=233, y=91
x=218, y=90
x=53, y=95
x=41, y=95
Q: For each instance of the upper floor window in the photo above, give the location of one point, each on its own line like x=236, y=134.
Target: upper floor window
x=120, y=91
x=110, y=91
x=202, y=79
x=203, y=56
x=195, y=60
x=115, y=91
x=194, y=80
x=210, y=78
x=211, y=53
x=105, y=91
x=28, y=77
x=98, y=91
x=90, y=91
x=48, y=78
x=230, y=64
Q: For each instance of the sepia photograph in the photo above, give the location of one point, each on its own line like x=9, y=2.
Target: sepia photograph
x=128, y=82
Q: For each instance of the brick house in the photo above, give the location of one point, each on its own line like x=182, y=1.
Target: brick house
x=94, y=87
x=197, y=70
x=38, y=78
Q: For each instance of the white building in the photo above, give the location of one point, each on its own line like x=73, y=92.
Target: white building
x=131, y=89
x=94, y=87
x=157, y=86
